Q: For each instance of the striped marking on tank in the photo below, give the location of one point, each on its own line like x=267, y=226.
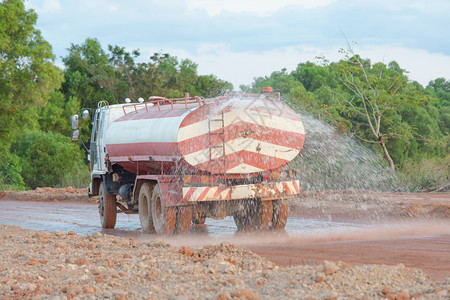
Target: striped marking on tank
x=272, y=190
x=253, y=140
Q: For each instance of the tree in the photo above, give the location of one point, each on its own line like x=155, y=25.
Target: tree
x=440, y=88
x=373, y=98
x=125, y=70
x=27, y=74
x=313, y=76
x=211, y=86
x=280, y=81
x=27, y=79
x=89, y=76
x=55, y=115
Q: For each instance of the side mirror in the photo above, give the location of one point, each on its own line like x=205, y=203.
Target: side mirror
x=85, y=114
x=74, y=122
x=75, y=135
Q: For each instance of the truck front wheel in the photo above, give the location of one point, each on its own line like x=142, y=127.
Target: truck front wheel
x=107, y=207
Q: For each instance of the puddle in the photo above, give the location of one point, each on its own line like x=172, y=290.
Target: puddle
x=84, y=219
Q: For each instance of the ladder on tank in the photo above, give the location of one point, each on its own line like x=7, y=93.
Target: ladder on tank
x=216, y=128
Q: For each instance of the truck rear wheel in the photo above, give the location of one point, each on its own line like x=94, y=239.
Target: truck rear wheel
x=262, y=215
x=252, y=215
x=145, y=214
x=107, y=207
x=266, y=215
x=164, y=218
x=184, y=219
x=280, y=214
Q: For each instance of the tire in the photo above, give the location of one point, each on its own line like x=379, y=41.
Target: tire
x=164, y=218
x=280, y=214
x=248, y=217
x=257, y=215
x=184, y=219
x=107, y=208
x=266, y=215
x=145, y=213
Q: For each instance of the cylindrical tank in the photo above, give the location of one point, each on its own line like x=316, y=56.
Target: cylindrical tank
x=232, y=136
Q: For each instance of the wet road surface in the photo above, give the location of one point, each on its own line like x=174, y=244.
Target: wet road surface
x=83, y=219
x=420, y=244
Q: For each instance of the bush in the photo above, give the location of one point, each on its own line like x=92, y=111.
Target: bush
x=10, y=178
x=429, y=174
x=50, y=160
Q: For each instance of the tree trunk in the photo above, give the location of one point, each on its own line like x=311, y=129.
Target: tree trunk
x=386, y=153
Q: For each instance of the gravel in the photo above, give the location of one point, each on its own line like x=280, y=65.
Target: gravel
x=64, y=265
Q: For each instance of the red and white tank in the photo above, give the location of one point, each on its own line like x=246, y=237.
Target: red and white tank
x=238, y=134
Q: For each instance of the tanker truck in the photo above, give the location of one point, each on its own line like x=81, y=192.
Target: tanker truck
x=176, y=162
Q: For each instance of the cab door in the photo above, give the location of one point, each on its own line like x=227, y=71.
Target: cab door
x=98, y=149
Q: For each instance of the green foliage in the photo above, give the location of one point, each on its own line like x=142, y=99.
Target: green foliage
x=10, y=178
x=88, y=75
x=375, y=101
x=210, y=86
x=440, y=89
x=55, y=115
x=27, y=73
x=48, y=159
x=428, y=174
x=93, y=74
x=314, y=77
x=280, y=81
x=34, y=97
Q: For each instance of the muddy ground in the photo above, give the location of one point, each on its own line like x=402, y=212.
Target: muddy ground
x=400, y=250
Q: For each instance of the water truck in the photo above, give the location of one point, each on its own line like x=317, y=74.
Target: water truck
x=178, y=161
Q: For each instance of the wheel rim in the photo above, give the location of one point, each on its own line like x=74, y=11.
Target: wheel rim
x=144, y=211
x=158, y=218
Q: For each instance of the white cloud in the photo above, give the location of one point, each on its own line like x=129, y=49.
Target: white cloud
x=422, y=65
x=260, y=8
x=242, y=67
x=112, y=8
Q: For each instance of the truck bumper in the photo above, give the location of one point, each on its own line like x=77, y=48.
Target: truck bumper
x=263, y=191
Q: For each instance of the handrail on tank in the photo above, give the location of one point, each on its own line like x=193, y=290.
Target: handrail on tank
x=102, y=103
x=201, y=101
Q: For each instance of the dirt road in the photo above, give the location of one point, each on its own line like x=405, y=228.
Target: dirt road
x=354, y=227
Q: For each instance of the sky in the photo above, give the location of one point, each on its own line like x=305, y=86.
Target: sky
x=239, y=40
